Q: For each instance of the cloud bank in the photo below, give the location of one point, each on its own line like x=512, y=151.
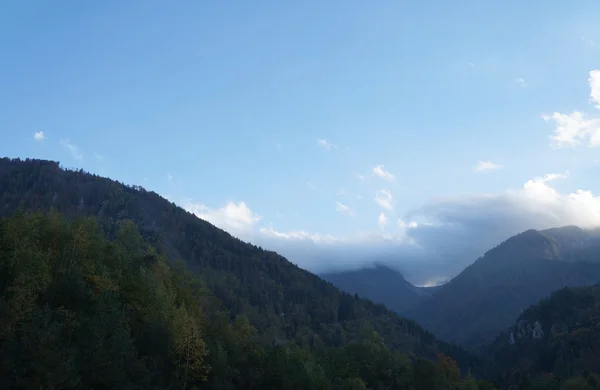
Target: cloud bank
x=432, y=242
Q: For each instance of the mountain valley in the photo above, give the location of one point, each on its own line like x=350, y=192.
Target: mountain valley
x=283, y=305
x=260, y=313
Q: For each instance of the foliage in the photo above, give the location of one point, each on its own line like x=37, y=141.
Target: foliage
x=565, y=355
x=82, y=311
x=92, y=296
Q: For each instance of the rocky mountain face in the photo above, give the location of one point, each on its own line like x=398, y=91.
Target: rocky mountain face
x=555, y=339
x=484, y=299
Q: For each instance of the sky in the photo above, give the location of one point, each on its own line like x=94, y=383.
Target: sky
x=338, y=133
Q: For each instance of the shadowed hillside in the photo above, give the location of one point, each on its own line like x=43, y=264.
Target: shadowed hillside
x=382, y=285
x=484, y=299
x=281, y=300
x=91, y=307
x=553, y=344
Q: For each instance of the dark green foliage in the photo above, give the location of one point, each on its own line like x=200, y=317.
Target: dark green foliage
x=70, y=313
x=566, y=355
x=80, y=311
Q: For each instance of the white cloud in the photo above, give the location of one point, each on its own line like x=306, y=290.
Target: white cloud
x=384, y=199
x=471, y=64
x=403, y=225
x=75, y=152
x=325, y=241
x=536, y=205
x=380, y=171
x=572, y=129
x=311, y=185
x=236, y=218
x=325, y=144
x=343, y=209
x=382, y=220
x=39, y=136
x=486, y=166
x=98, y=156
x=589, y=42
x=521, y=82
x=169, y=177
x=538, y=188
x=360, y=177
x=299, y=235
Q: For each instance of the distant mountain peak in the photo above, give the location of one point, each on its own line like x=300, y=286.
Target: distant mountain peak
x=488, y=295
x=530, y=244
x=565, y=229
x=381, y=284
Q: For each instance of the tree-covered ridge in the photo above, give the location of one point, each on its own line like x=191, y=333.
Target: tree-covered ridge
x=380, y=284
x=70, y=302
x=80, y=311
x=281, y=300
x=484, y=300
x=555, y=343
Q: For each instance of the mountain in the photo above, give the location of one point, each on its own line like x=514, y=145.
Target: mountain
x=553, y=342
x=382, y=285
x=86, y=305
x=282, y=301
x=484, y=299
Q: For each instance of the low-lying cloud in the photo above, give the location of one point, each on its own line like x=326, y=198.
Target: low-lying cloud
x=433, y=242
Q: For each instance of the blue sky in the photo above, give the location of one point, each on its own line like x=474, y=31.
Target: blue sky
x=295, y=123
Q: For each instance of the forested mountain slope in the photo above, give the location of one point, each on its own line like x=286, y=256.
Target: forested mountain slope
x=281, y=300
x=82, y=311
x=484, y=299
x=552, y=341
x=380, y=284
